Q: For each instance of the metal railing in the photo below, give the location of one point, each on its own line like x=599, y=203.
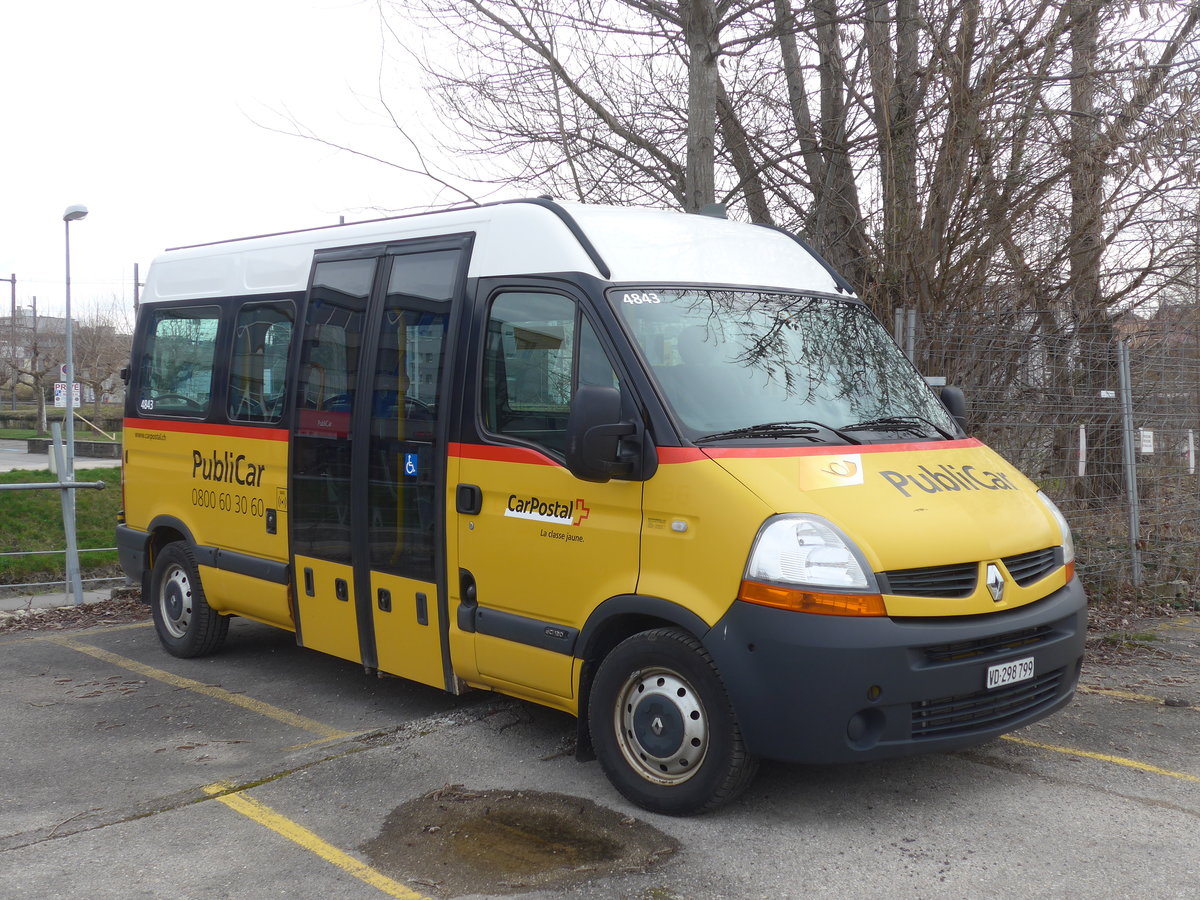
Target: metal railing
x=66, y=486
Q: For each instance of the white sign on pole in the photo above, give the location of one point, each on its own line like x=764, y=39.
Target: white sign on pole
x=60, y=395
x=1146, y=437
x=1082, y=450
x=1191, y=452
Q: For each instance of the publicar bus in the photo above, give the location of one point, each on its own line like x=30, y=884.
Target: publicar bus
x=664, y=472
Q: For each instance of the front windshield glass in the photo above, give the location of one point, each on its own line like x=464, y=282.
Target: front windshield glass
x=737, y=365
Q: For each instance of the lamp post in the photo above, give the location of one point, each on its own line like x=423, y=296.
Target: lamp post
x=74, y=582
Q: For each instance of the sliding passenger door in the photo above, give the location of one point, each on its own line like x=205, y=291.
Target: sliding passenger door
x=321, y=508
x=405, y=467
x=368, y=457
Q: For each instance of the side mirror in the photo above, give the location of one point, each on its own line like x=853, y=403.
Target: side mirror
x=594, y=432
x=955, y=402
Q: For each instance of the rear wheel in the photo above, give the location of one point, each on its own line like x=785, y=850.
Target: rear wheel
x=185, y=623
x=663, y=728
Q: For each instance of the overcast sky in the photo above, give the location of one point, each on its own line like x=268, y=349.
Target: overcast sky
x=151, y=113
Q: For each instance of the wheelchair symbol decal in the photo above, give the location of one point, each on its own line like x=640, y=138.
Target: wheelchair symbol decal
x=410, y=464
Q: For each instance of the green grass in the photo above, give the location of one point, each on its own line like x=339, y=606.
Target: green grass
x=18, y=434
x=32, y=520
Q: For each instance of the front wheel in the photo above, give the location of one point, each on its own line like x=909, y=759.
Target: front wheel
x=186, y=625
x=663, y=728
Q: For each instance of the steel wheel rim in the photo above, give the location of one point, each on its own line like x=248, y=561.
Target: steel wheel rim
x=175, y=602
x=661, y=726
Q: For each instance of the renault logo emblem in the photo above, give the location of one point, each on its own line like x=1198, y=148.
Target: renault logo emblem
x=657, y=726
x=995, y=582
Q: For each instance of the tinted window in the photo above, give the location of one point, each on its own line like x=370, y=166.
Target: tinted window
x=539, y=349
x=325, y=398
x=405, y=401
x=258, y=370
x=177, y=362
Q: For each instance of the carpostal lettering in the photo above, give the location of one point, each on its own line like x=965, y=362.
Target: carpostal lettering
x=948, y=478
x=227, y=468
x=557, y=512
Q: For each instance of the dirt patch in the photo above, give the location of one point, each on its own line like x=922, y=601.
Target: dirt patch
x=122, y=607
x=455, y=841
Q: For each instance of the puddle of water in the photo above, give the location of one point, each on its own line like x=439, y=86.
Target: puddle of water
x=513, y=844
x=455, y=841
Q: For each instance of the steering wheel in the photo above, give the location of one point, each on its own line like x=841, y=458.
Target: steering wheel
x=417, y=411
x=186, y=401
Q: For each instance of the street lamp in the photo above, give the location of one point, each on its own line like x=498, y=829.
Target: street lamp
x=72, y=214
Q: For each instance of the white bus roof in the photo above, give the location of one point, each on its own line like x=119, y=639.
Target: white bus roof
x=639, y=246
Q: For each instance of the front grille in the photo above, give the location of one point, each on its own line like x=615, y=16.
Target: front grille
x=1026, y=568
x=1000, y=643
x=969, y=713
x=956, y=580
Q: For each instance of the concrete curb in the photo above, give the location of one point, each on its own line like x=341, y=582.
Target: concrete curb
x=21, y=602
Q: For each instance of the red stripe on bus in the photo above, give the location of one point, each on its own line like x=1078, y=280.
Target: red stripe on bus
x=495, y=453
x=838, y=450
x=674, y=455
x=233, y=431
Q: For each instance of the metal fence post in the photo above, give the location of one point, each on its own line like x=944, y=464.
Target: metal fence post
x=74, y=578
x=1130, y=460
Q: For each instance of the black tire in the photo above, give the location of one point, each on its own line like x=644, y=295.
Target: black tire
x=663, y=728
x=185, y=623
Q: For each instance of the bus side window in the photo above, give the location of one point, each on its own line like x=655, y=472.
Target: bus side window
x=539, y=350
x=177, y=362
x=258, y=371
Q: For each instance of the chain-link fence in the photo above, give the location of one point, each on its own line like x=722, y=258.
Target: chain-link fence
x=1106, y=423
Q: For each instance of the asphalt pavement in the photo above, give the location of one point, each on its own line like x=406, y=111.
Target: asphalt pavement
x=268, y=769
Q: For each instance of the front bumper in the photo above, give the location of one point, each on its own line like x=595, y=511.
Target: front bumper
x=828, y=689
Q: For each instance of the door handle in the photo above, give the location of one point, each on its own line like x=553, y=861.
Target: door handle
x=468, y=499
x=469, y=602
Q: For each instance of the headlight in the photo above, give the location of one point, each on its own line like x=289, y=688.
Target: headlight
x=805, y=563
x=1068, y=543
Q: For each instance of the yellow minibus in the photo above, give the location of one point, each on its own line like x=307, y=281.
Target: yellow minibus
x=664, y=472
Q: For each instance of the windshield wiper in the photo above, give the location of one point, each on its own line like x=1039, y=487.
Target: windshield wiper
x=778, y=430
x=911, y=424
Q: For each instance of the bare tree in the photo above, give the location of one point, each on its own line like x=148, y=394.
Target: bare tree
x=33, y=355
x=101, y=343
x=1024, y=164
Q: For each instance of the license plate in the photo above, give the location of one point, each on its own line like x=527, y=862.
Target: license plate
x=1010, y=672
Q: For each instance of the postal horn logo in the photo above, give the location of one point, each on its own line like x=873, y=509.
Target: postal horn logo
x=842, y=468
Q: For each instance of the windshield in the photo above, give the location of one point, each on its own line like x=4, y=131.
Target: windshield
x=746, y=364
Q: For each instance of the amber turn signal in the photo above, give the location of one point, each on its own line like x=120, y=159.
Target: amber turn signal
x=812, y=602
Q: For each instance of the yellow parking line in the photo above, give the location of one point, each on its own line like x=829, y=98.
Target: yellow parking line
x=1104, y=757
x=1120, y=695
x=325, y=732
x=300, y=835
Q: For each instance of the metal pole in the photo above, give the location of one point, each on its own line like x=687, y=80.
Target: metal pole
x=74, y=576
x=1131, y=487
x=69, y=350
x=136, y=284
